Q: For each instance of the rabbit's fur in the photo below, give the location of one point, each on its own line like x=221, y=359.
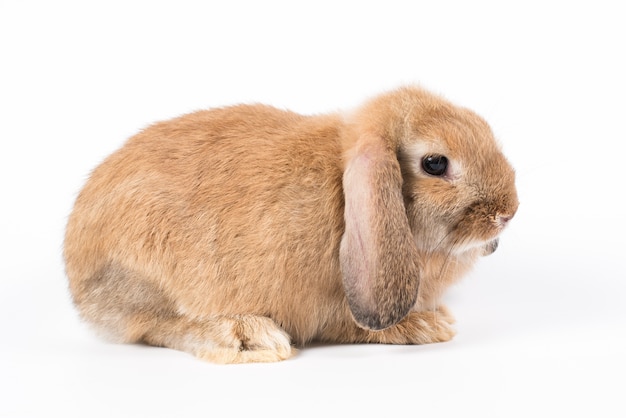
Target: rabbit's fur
x=238, y=232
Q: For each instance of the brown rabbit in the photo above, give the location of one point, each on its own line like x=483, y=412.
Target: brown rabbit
x=234, y=233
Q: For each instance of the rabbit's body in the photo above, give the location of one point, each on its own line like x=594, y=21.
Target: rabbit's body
x=231, y=233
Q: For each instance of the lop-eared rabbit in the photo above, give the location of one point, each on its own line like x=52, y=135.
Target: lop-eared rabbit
x=240, y=233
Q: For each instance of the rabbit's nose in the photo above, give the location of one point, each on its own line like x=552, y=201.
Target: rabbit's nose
x=503, y=219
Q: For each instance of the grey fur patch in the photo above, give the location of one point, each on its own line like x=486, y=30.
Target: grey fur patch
x=114, y=299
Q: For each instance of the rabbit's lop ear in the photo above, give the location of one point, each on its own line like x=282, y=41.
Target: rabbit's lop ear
x=378, y=255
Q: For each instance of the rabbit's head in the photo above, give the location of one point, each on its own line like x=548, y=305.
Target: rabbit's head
x=421, y=176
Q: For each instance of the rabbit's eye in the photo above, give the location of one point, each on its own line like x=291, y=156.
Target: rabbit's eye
x=435, y=165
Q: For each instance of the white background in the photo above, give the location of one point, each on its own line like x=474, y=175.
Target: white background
x=541, y=323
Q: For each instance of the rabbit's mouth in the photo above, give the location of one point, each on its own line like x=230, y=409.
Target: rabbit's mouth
x=480, y=227
x=475, y=246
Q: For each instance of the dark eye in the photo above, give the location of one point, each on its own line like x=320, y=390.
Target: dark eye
x=435, y=165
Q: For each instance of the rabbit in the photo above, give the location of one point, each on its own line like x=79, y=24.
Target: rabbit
x=243, y=233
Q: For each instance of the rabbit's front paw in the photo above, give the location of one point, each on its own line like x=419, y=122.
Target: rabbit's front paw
x=427, y=327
